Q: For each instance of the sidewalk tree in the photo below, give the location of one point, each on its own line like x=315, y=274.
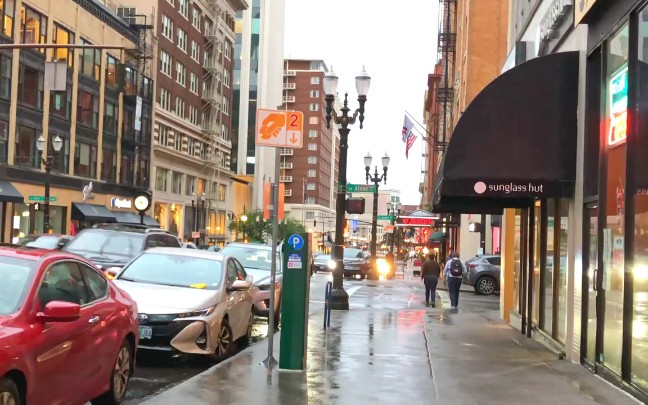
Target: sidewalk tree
x=287, y=227
x=255, y=231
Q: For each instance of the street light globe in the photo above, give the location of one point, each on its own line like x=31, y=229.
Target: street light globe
x=385, y=160
x=363, y=80
x=330, y=83
x=243, y=217
x=40, y=143
x=367, y=160
x=57, y=143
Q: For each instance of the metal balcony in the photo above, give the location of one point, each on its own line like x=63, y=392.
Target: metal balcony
x=290, y=73
x=286, y=152
x=288, y=193
x=286, y=179
x=445, y=94
x=290, y=86
x=286, y=165
x=289, y=99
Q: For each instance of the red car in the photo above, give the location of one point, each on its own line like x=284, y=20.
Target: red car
x=67, y=334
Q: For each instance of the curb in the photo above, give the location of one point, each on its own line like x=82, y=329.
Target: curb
x=445, y=298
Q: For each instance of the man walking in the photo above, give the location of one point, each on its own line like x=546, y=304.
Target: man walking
x=430, y=273
x=453, y=273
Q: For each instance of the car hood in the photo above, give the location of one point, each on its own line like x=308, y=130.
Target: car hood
x=260, y=277
x=322, y=259
x=162, y=299
x=8, y=329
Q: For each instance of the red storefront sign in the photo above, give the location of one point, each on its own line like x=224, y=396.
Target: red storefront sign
x=417, y=221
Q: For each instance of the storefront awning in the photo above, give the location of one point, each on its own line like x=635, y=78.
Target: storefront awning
x=437, y=236
x=92, y=212
x=150, y=221
x=8, y=193
x=516, y=141
x=126, y=217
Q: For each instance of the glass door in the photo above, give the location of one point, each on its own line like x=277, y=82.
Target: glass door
x=591, y=284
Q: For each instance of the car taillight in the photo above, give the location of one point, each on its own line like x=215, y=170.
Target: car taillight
x=472, y=266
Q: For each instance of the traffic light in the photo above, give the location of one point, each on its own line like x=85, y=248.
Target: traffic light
x=355, y=205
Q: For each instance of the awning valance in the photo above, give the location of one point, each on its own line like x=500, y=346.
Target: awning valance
x=516, y=141
x=92, y=213
x=8, y=193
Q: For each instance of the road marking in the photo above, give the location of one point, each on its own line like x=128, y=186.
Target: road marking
x=352, y=290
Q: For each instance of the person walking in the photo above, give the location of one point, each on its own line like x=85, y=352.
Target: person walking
x=430, y=273
x=453, y=274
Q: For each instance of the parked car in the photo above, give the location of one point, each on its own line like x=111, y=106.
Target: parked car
x=190, y=301
x=323, y=263
x=356, y=263
x=114, y=245
x=189, y=245
x=67, y=334
x=256, y=258
x=483, y=273
x=210, y=248
x=45, y=241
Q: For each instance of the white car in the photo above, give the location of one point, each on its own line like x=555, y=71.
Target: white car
x=190, y=301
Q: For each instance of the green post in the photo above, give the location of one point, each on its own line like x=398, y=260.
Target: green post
x=294, y=305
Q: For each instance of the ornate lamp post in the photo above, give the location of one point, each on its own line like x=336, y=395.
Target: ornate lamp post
x=244, y=219
x=339, y=297
x=47, y=161
x=395, y=213
x=376, y=179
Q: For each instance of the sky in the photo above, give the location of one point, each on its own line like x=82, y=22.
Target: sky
x=397, y=46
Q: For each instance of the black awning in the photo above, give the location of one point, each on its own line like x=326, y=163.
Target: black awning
x=516, y=141
x=92, y=212
x=126, y=217
x=150, y=221
x=8, y=193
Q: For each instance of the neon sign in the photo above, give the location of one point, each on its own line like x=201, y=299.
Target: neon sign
x=618, y=90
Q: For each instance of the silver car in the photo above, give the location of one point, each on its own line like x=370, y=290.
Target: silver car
x=189, y=301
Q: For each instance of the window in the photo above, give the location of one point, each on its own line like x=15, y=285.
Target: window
x=5, y=77
x=313, y=120
x=33, y=27
x=312, y=146
x=226, y=78
x=63, y=282
x=97, y=284
x=204, y=151
x=30, y=87
x=180, y=107
x=228, y=51
x=85, y=160
x=195, y=18
x=165, y=99
x=312, y=173
x=111, y=71
x=177, y=141
x=312, y=133
x=191, y=145
x=163, y=135
x=310, y=215
x=312, y=160
x=161, y=179
x=193, y=83
x=315, y=80
x=63, y=36
x=193, y=115
x=190, y=185
x=4, y=137
x=195, y=51
x=182, y=39
x=90, y=60
x=184, y=8
x=128, y=124
x=310, y=186
x=314, y=93
x=130, y=79
x=26, y=152
x=126, y=171
x=314, y=65
x=207, y=27
x=147, y=88
x=225, y=106
x=176, y=182
x=181, y=74
x=62, y=158
x=222, y=191
x=108, y=165
x=310, y=200
x=110, y=118
x=313, y=107
x=88, y=109
x=8, y=10
x=167, y=27
x=165, y=63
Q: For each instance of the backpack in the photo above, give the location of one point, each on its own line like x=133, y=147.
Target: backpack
x=456, y=268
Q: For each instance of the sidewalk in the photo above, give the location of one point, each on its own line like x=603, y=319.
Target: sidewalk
x=390, y=349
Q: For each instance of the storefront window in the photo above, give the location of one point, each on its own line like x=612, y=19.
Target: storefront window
x=561, y=311
x=4, y=137
x=548, y=277
x=29, y=219
x=517, y=268
x=161, y=214
x=175, y=219
x=26, y=152
x=613, y=232
x=536, y=263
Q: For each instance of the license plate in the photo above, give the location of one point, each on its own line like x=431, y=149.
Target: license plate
x=145, y=332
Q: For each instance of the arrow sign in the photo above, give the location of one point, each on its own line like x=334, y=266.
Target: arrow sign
x=294, y=138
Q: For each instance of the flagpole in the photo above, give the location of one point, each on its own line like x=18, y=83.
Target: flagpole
x=427, y=139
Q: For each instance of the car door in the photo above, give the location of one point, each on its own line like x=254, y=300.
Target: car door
x=233, y=297
x=62, y=349
x=243, y=300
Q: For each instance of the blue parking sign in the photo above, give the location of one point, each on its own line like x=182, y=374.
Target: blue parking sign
x=296, y=241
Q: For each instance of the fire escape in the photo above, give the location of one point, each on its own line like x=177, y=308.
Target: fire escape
x=446, y=54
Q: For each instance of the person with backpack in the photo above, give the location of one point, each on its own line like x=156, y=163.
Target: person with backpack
x=453, y=273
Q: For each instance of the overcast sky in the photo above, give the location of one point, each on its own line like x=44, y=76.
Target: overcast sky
x=396, y=42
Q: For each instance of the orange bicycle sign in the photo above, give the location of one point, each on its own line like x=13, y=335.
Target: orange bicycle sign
x=280, y=129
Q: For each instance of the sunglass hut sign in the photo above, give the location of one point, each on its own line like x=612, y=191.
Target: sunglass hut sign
x=512, y=189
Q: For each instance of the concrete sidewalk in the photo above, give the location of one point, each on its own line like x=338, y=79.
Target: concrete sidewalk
x=390, y=349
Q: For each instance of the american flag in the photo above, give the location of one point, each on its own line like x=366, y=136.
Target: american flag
x=410, y=142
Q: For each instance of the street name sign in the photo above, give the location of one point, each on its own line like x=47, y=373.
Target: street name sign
x=280, y=129
x=40, y=198
x=385, y=217
x=360, y=188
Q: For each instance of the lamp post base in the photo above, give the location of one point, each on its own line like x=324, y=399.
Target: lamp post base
x=339, y=300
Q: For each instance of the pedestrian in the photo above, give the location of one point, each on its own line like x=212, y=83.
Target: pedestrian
x=430, y=273
x=453, y=274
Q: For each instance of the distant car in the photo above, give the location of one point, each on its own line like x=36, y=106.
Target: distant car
x=189, y=245
x=356, y=263
x=190, y=301
x=323, y=263
x=61, y=320
x=256, y=258
x=210, y=248
x=45, y=241
x=483, y=273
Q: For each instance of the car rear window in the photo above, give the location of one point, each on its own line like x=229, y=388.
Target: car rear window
x=16, y=275
x=102, y=242
x=496, y=261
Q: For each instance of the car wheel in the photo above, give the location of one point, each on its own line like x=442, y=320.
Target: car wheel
x=9, y=394
x=485, y=286
x=122, y=371
x=225, y=341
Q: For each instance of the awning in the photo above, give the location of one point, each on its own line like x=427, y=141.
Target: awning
x=126, y=217
x=8, y=193
x=92, y=212
x=437, y=236
x=150, y=221
x=516, y=141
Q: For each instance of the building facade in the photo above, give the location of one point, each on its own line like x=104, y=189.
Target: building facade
x=102, y=116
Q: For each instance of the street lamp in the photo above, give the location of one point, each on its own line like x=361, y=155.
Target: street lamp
x=376, y=179
x=244, y=218
x=202, y=223
x=339, y=297
x=395, y=213
x=43, y=149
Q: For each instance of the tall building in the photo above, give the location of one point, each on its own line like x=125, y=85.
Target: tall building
x=257, y=80
x=310, y=173
x=101, y=121
x=192, y=129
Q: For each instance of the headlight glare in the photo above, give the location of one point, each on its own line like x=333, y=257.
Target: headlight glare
x=331, y=264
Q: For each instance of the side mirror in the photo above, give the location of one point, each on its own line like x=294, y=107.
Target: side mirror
x=241, y=285
x=62, y=243
x=60, y=311
x=249, y=278
x=111, y=272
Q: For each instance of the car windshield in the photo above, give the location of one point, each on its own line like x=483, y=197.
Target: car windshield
x=43, y=242
x=350, y=253
x=16, y=275
x=175, y=270
x=323, y=258
x=251, y=257
x=102, y=245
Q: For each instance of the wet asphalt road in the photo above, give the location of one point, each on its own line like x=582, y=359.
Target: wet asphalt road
x=157, y=372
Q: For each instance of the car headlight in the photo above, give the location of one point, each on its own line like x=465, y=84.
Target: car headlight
x=202, y=312
x=331, y=264
x=640, y=272
x=264, y=287
x=383, y=266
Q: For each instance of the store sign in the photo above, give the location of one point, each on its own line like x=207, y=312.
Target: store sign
x=618, y=91
x=554, y=18
x=121, y=203
x=511, y=188
x=581, y=9
x=417, y=221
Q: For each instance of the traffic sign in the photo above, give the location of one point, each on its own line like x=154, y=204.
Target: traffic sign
x=361, y=188
x=385, y=217
x=296, y=241
x=280, y=129
x=40, y=198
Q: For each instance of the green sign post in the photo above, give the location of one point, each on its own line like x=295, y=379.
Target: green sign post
x=360, y=188
x=385, y=218
x=294, y=305
x=40, y=198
